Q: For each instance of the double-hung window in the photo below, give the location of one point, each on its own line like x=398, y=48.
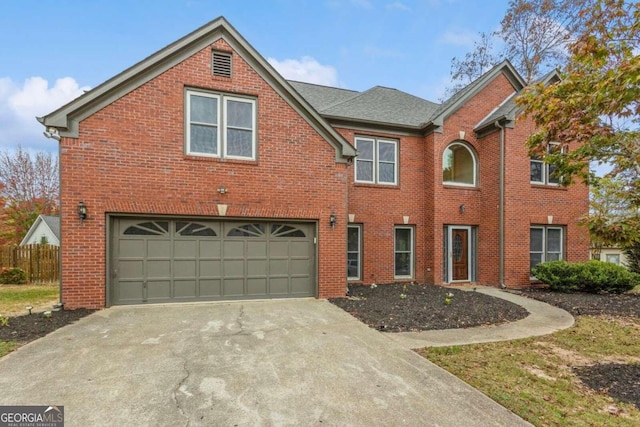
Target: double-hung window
x=377, y=161
x=403, y=252
x=544, y=173
x=220, y=125
x=354, y=252
x=545, y=244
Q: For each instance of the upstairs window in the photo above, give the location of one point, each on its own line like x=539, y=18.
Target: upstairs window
x=220, y=125
x=459, y=165
x=544, y=173
x=377, y=161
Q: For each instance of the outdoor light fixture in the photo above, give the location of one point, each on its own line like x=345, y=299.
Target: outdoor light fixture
x=332, y=220
x=82, y=211
x=462, y=208
x=222, y=189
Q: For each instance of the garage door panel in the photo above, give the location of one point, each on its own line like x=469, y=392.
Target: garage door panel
x=158, y=290
x=233, y=287
x=131, y=248
x=159, y=268
x=210, y=249
x=257, y=287
x=157, y=248
x=162, y=260
x=131, y=269
x=185, y=289
x=210, y=288
x=299, y=266
x=278, y=286
x=210, y=268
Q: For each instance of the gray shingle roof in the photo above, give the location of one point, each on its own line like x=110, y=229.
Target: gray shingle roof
x=378, y=104
x=54, y=224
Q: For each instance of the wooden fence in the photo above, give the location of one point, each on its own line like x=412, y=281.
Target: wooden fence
x=40, y=262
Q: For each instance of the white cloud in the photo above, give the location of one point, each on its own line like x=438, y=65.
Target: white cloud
x=458, y=37
x=20, y=104
x=306, y=69
x=398, y=5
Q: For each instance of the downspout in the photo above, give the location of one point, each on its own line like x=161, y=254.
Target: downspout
x=53, y=133
x=501, y=207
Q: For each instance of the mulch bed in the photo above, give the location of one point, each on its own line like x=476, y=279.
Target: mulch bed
x=29, y=327
x=423, y=308
x=618, y=380
x=583, y=304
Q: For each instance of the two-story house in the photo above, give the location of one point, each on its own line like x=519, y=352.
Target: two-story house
x=200, y=173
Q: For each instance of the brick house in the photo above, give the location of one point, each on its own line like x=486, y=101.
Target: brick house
x=200, y=173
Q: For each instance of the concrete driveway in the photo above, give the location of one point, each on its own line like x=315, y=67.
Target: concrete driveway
x=274, y=363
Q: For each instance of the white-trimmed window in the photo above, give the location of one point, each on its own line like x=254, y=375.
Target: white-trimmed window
x=459, y=165
x=613, y=258
x=545, y=244
x=541, y=172
x=403, y=252
x=377, y=161
x=354, y=252
x=220, y=125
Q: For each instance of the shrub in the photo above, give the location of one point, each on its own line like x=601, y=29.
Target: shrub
x=12, y=276
x=592, y=276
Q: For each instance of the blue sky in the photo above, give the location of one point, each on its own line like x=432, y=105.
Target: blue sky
x=50, y=50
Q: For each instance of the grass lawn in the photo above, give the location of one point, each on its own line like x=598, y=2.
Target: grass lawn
x=14, y=298
x=534, y=377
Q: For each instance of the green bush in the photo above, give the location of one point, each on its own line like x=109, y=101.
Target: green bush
x=592, y=276
x=12, y=276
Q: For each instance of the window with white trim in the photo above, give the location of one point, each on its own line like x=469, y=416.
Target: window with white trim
x=220, y=125
x=377, y=161
x=354, y=252
x=545, y=244
x=613, y=258
x=403, y=252
x=459, y=166
x=541, y=172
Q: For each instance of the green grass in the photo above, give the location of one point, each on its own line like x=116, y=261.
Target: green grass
x=533, y=377
x=14, y=298
x=7, y=347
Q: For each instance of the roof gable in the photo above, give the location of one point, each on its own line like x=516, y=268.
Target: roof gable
x=451, y=105
x=67, y=118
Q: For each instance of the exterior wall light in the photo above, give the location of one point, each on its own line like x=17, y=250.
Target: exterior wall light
x=82, y=211
x=222, y=189
x=462, y=208
x=332, y=220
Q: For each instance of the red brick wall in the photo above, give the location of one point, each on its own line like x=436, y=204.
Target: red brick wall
x=129, y=158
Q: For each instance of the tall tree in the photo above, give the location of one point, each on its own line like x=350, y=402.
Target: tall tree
x=535, y=34
x=596, y=105
x=29, y=186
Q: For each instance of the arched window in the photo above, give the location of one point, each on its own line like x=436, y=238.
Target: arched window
x=459, y=165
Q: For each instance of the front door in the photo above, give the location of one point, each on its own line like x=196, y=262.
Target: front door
x=459, y=254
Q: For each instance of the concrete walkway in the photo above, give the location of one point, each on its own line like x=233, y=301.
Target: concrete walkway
x=543, y=319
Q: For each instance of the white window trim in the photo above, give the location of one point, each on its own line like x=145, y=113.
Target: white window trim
x=222, y=124
x=359, y=276
x=545, y=168
x=412, y=252
x=475, y=166
x=544, y=241
x=376, y=161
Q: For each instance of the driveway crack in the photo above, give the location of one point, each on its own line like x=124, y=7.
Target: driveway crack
x=178, y=388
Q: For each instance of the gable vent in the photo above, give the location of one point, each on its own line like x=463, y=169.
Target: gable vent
x=221, y=64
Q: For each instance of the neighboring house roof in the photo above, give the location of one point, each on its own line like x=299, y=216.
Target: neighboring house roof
x=65, y=120
x=52, y=222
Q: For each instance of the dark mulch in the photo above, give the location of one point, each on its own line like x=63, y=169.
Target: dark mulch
x=583, y=304
x=424, y=308
x=29, y=327
x=620, y=381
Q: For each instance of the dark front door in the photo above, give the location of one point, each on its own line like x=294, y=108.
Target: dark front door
x=460, y=253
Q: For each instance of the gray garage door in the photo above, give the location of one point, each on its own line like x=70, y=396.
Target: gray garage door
x=172, y=260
